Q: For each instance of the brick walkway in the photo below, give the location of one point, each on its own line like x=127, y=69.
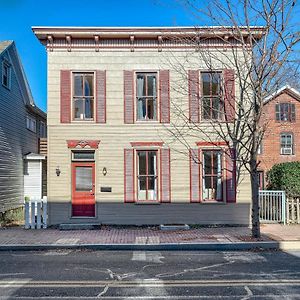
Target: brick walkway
x=152, y=235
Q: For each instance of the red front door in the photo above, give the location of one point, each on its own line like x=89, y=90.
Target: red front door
x=83, y=189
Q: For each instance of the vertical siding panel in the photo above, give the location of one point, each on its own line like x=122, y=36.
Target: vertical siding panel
x=194, y=175
x=129, y=175
x=165, y=175
x=194, y=104
x=229, y=101
x=230, y=176
x=128, y=97
x=65, y=96
x=100, y=96
x=164, y=87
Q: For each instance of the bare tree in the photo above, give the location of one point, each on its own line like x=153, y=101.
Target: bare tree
x=259, y=42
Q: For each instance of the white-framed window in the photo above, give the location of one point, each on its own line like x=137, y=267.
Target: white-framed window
x=146, y=96
x=212, y=174
x=83, y=96
x=147, y=178
x=43, y=129
x=6, y=74
x=286, y=143
x=212, y=106
x=31, y=123
x=285, y=112
x=83, y=155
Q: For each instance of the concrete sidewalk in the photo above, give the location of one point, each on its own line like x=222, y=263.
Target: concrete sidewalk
x=274, y=236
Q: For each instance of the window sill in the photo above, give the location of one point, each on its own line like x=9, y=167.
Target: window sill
x=212, y=202
x=141, y=202
x=7, y=87
x=31, y=130
x=147, y=122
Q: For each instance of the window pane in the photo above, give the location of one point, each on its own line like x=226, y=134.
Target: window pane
x=141, y=109
x=216, y=108
x=206, y=109
x=150, y=109
x=215, y=83
x=151, y=163
x=89, y=108
x=78, y=109
x=89, y=85
x=206, y=84
x=141, y=85
x=151, y=188
x=78, y=87
x=83, y=155
x=142, y=162
x=142, y=188
x=207, y=162
x=151, y=85
x=83, y=178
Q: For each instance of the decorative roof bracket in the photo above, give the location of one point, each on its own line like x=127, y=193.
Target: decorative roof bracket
x=132, y=43
x=69, y=42
x=97, y=43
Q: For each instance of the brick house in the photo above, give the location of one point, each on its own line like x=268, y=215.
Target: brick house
x=110, y=100
x=280, y=142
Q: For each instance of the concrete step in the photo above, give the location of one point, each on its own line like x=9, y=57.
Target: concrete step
x=173, y=227
x=80, y=226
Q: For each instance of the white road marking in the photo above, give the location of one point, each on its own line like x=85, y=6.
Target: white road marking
x=249, y=293
x=103, y=292
x=66, y=241
x=245, y=257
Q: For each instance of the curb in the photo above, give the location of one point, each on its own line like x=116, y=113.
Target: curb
x=273, y=245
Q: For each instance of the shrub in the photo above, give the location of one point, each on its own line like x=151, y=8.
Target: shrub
x=286, y=177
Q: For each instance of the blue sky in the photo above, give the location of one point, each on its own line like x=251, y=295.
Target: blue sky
x=17, y=17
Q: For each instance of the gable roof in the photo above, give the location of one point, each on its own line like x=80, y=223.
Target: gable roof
x=14, y=57
x=285, y=89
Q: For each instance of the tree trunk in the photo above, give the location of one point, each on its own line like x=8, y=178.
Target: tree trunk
x=255, y=200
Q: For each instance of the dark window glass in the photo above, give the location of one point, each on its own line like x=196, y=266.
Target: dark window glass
x=146, y=92
x=83, y=155
x=285, y=112
x=212, y=103
x=84, y=178
x=83, y=97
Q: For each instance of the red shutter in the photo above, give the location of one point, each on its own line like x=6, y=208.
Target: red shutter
x=129, y=175
x=128, y=97
x=100, y=96
x=65, y=96
x=165, y=175
x=194, y=175
x=193, y=81
x=229, y=97
x=230, y=176
x=164, y=87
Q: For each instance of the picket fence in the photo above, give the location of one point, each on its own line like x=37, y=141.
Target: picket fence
x=272, y=206
x=36, y=213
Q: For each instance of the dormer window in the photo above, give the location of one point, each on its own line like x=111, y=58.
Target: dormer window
x=285, y=112
x=6, y=70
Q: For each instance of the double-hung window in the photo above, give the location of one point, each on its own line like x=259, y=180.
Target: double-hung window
x=31, y=124
x=285, y=112
x=83, y=96
x=212, y=175
x=6, y=70
x=286, y=143
x=212, y=102
x=146, y=96
x=147, y=175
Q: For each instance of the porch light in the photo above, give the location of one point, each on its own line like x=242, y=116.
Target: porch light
x=57, y=170
x=104, y=171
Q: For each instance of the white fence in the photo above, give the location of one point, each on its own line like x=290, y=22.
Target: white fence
x=293, y=211
x=36, y=213
x=272, y=206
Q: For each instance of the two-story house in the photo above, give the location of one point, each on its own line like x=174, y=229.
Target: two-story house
x=22, y=123
x=111, y=96
x=281, y=114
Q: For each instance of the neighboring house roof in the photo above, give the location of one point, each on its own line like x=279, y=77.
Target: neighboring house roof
x=285, y=89
x=4, y=45
x=15, y=60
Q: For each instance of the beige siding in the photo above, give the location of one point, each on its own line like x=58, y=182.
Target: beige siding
x=115, y=135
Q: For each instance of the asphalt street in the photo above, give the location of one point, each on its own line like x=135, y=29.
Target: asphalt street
x=77, y=274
